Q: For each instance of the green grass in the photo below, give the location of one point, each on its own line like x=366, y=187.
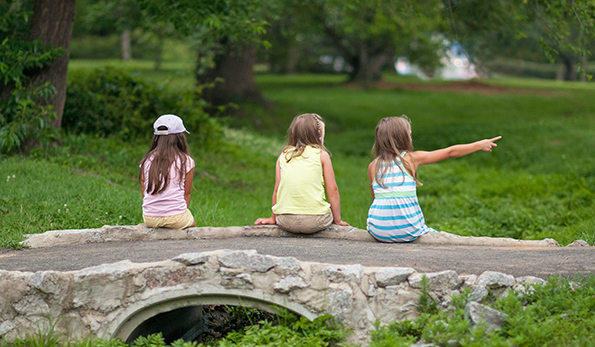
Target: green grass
x=538, y=183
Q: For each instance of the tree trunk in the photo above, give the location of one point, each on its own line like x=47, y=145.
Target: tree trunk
x=125, y=45
x=292, y=59
x=368, y=68
x=584, y=66
x=570, y=67
x=233, y=77
x=52, y=22
x=560, y=72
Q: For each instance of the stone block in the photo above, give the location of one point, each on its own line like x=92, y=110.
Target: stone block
x=437, y=281
x=492, y=279
x=287, y=284
x=578, y=243
x=287, y=265
x=478, y=294
x=389, y=276
x=342, y=273
x=190, y=259
x=480, y=314
x=266, y=282
x=247, y=260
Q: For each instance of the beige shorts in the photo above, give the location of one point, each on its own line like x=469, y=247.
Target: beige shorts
x=179, y=221
x=304, y=223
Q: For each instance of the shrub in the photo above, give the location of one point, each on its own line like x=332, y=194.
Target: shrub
x=111, y=101
x=22, y=119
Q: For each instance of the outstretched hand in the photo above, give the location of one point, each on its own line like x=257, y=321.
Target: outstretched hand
x=487, y=144
x=345, y=224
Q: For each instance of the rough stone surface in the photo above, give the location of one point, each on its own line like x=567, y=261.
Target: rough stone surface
x=102, y=300
x=247, y=260
x=481, y=314
x=393, y=275
x=478, y=294
x=192, y=258
x=437, y=281
x=289, y=283
x=578, y=243
x=141, y=232
x=341, y=273
x=494, y=279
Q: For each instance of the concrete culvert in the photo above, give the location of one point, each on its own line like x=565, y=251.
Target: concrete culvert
x=182, y=323
x=201, y=323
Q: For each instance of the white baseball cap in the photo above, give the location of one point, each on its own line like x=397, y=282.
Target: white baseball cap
x=173, y=123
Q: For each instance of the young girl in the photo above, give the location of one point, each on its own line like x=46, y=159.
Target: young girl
x=166, y=174
x=395, y=214
x=303, y=171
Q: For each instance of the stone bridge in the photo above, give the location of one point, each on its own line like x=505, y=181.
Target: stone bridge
x=125, y=300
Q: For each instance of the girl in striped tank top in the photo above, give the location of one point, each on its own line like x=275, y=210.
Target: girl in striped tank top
x=395, y=214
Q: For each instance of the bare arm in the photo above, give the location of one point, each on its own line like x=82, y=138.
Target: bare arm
x=273, y=218
x=371, y=175
x=188, y=186
x=332, y=191
x=456, y=151
x=142, y=184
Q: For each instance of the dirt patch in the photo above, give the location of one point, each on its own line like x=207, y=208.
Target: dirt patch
x=471, y=86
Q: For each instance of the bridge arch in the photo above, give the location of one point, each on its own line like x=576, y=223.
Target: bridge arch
x=130, y=319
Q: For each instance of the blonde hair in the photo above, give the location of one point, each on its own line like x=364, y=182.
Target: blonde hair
x=305, y=130
x=393, y=138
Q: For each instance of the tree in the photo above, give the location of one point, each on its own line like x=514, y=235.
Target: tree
x=123, y=16
x=33, y=64
x=227, y=33
x=368, y=33
x=561, y=30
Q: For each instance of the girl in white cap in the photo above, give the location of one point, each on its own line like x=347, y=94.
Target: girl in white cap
x=166, y=173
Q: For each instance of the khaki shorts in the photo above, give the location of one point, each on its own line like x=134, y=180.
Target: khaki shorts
x=179, y=221
x=304, y=223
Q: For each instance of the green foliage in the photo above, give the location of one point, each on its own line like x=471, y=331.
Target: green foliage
x=110, y=101
x=291, y=331
x=23, y=119
x=235, y=18
x=559, y=313
x=427, y=304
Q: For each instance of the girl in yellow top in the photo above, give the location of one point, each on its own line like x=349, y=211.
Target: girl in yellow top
x=303, y=171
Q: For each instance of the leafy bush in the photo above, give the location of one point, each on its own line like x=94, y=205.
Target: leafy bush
x=111, y=101
x=558, y=313
x=22, y=119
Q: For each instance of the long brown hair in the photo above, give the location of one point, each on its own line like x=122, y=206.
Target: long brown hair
x=305, y=130
x=393, y=138
x=165, y=150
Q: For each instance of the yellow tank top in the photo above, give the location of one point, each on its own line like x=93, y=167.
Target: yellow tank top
x=301, y=189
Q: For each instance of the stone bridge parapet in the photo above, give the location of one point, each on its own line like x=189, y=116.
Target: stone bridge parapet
x=140, y=232
x=112, y=300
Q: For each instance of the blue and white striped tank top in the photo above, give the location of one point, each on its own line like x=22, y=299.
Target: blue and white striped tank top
x=395, y=214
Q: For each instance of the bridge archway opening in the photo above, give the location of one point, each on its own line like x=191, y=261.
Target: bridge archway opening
x=184, y=317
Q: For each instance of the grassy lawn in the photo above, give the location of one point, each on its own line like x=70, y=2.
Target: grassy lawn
x=538, y=183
